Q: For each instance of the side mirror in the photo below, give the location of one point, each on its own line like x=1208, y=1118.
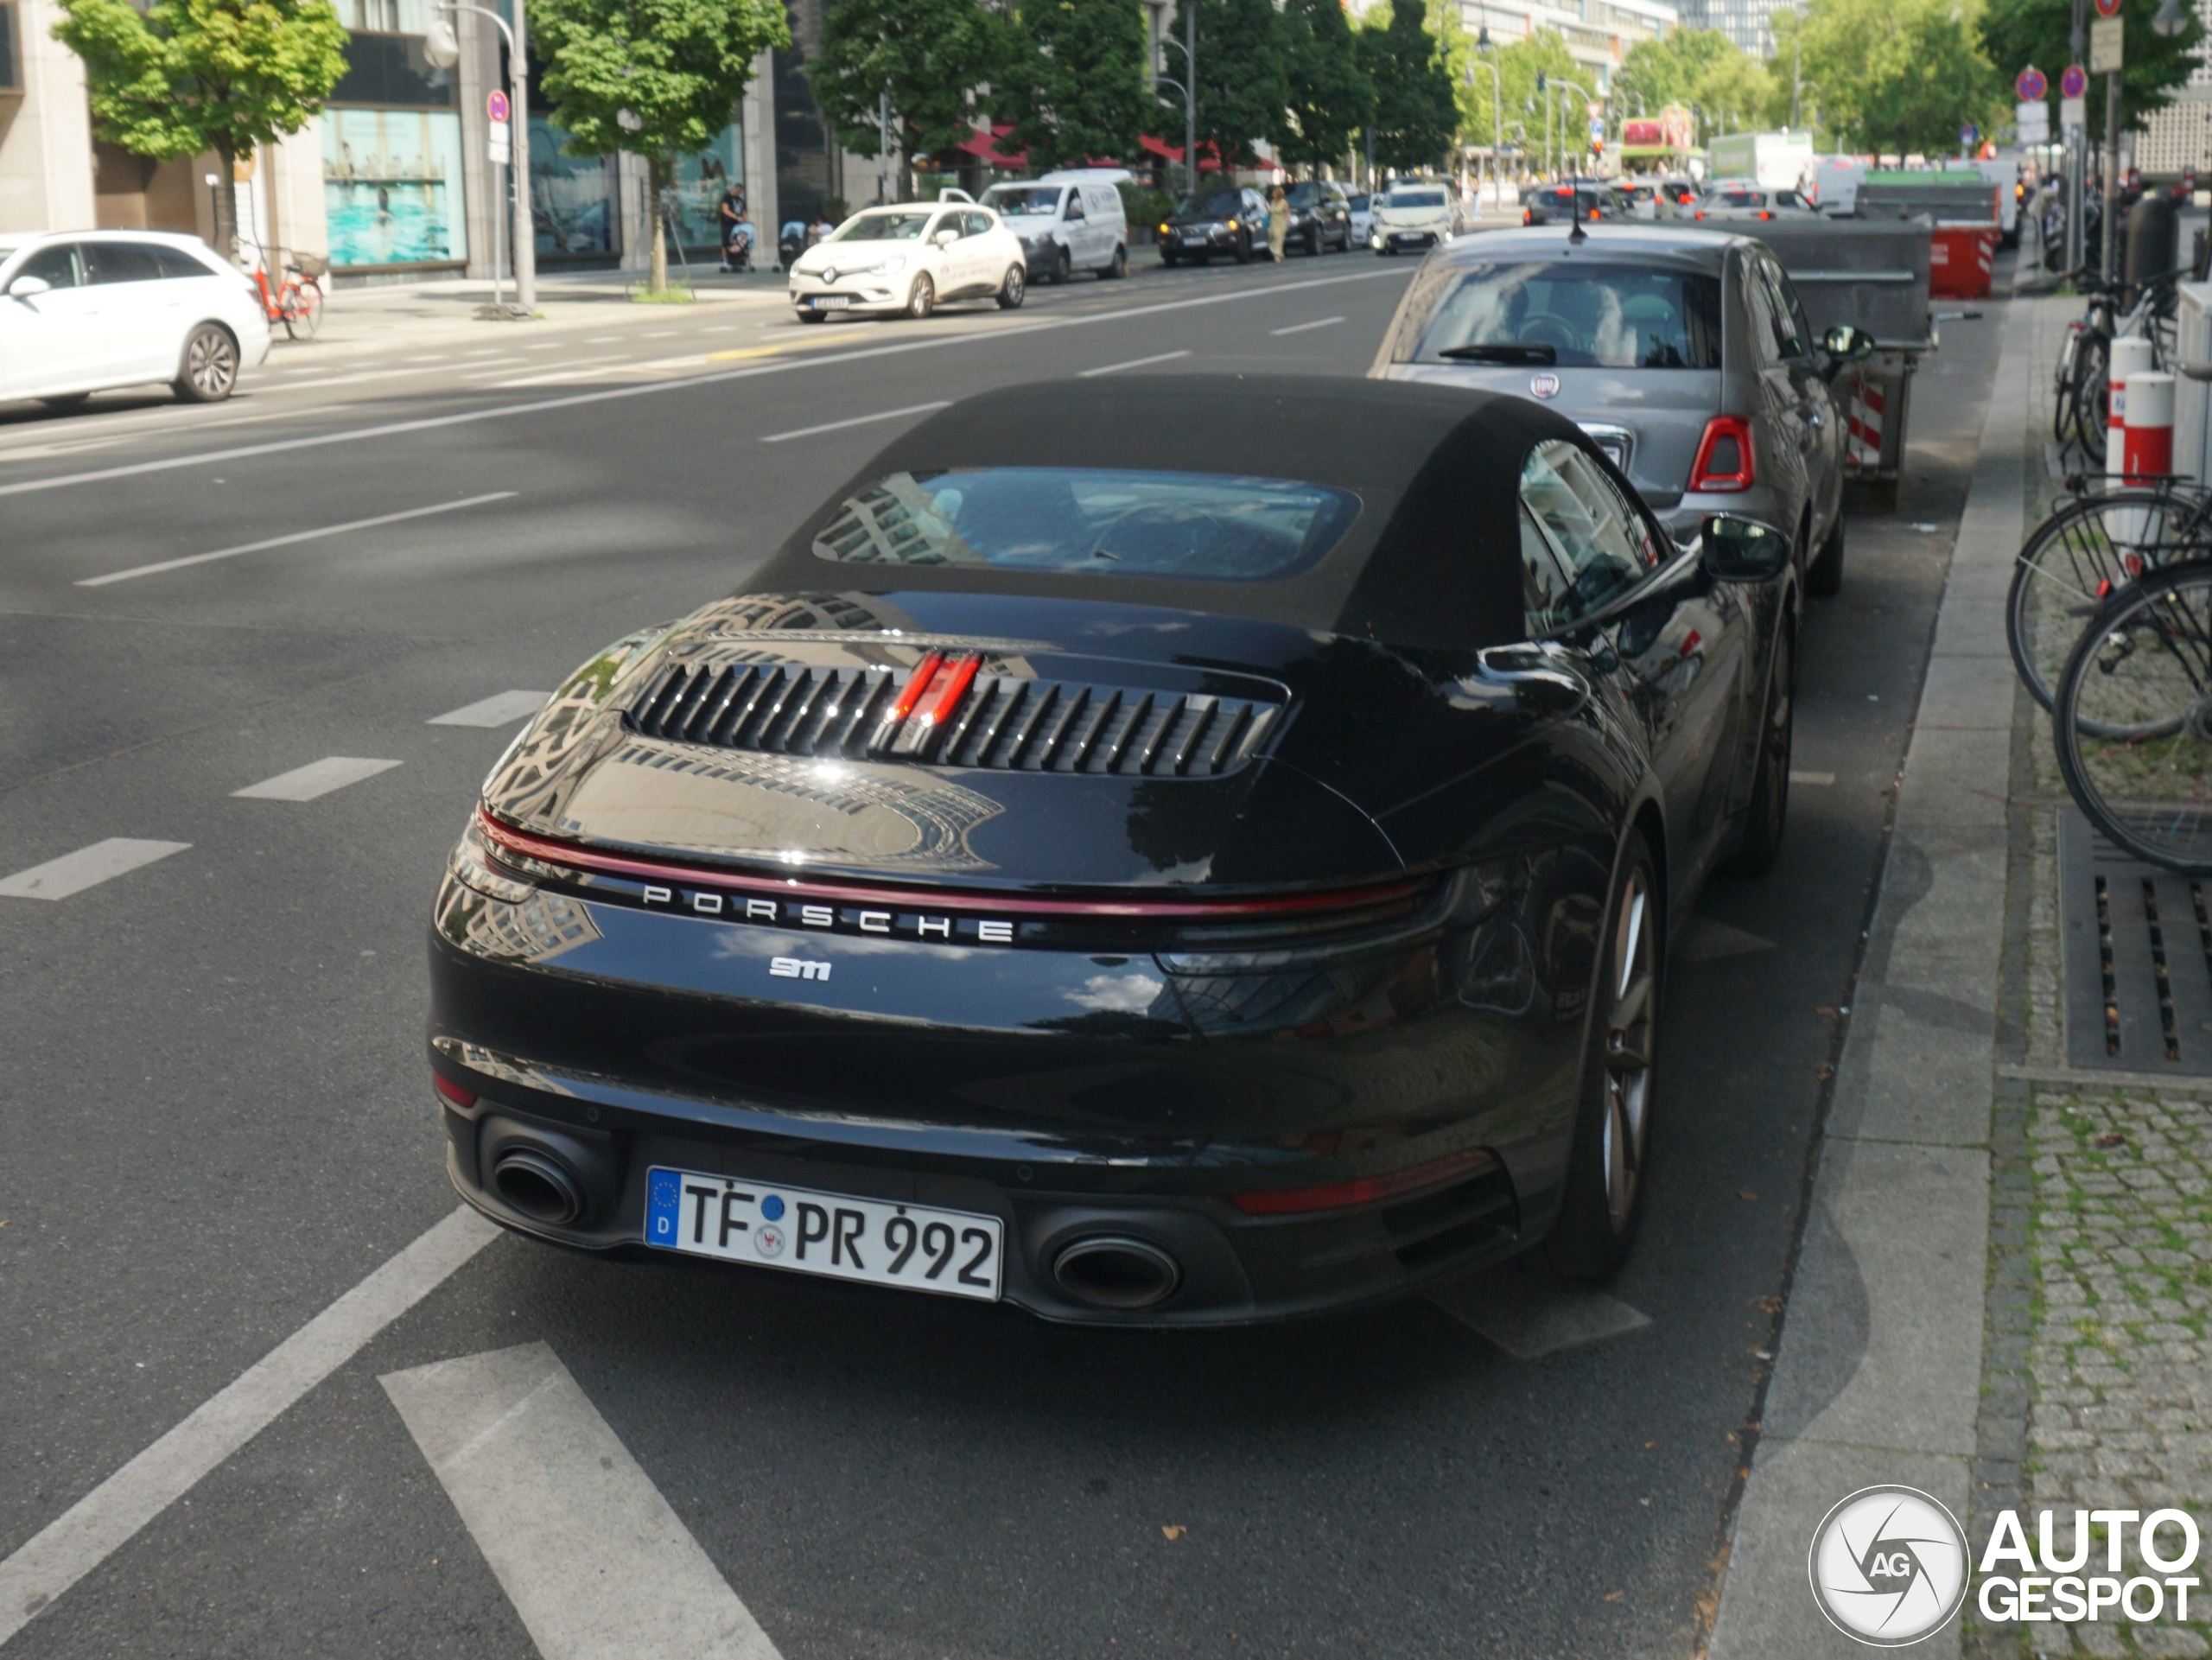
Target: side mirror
x=1743, y=549
x=1846, y=344
x=27, y=287
x=946, y=238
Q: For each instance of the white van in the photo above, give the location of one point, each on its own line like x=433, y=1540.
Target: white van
x=1067, y=223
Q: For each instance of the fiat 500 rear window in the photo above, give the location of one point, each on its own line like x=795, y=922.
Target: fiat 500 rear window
x=1611, y=316
x=1094, y=520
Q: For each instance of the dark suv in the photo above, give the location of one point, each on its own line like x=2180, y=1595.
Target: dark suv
x=1214, y=221
x=1321, y=217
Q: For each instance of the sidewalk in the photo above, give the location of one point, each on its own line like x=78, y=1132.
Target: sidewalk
x=2002, y=1286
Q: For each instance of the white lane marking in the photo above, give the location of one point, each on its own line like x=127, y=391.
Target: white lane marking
x=560, y=377
x=501, y=708
x=651, y=388
x=544, y=346
x=582, y=1542
x=857, y=421
x=1529, y=1315
x=513, y=364
x=659, y=334
x=1300, y=328
x=721, y=328
x=1133, y=363
x=1811, y=778
x=317, y=777
x=342, y=380
x=101, y=1523
x=599, y=340
x=296, y=536
x=1704, y=939
x=73, y=873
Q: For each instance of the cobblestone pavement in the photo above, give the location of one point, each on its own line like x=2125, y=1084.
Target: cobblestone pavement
x=2120, y=1366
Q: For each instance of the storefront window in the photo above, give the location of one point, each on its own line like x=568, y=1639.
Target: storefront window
x=571, y=197
x=391, y=187
x=700, y=178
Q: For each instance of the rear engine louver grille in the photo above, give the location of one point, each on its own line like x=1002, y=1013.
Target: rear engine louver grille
x=948, y=713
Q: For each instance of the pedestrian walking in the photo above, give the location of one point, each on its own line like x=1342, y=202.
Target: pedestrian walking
x=1278, y=223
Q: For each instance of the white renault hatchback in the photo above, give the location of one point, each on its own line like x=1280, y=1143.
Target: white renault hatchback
x=904, y=259
x=83, y=311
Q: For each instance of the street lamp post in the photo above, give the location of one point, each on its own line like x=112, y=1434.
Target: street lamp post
x=1497, y=102
x=1189, y=88
x=443, y=51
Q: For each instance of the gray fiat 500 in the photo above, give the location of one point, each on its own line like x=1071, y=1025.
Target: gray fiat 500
x=1684, y=353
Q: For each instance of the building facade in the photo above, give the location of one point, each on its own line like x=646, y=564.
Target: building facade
x=1599, y=33
x=1748, y=23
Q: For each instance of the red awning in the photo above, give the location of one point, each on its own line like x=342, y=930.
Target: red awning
x=984, y=148
x=1166, y=152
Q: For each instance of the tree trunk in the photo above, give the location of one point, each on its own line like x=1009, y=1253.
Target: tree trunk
x=226, y=204
x=657, y=171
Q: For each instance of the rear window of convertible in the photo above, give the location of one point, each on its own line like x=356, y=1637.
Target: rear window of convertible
x=1192, y=526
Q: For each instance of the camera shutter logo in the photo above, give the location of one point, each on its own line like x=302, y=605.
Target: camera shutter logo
x=1888, y=1566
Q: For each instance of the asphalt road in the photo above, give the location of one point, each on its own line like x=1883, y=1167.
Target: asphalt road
x=217, y=1116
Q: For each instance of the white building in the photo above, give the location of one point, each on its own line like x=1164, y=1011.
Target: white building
x=1599, y=34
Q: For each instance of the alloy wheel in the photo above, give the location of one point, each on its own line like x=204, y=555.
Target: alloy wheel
x=211, y=362
x=1631, y=1026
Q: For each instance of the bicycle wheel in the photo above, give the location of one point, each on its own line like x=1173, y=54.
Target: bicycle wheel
x=303, y=309
x=2133, y=719
x=2092, y=396
x=2070, y=564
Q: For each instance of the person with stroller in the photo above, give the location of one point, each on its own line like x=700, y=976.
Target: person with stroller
x=736, y=228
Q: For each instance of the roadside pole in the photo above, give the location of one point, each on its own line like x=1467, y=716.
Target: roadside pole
x=525, y=240
x=2106, y=40
x=2076, y=134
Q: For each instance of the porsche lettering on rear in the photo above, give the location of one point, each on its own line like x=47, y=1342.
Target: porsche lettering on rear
x=835, y=918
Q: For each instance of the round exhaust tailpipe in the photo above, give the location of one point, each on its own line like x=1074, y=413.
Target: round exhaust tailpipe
x=1111, y=1271
x=538, y=1185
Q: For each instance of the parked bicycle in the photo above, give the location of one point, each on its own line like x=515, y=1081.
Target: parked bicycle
x=296, y=301
x=2084, y=392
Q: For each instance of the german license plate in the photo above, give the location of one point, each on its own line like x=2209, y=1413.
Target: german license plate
x=915, y=1247
x=1195, y=239
x=830, y=302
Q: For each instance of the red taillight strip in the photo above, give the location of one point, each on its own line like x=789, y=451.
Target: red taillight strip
x=925, y=672
x=951, y=685
x=1364, y=1190
x=568, y=853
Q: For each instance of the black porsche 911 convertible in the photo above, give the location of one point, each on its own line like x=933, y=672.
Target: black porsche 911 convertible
x=1197, y=854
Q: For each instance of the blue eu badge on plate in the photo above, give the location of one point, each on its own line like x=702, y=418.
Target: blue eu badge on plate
x=664, y=1206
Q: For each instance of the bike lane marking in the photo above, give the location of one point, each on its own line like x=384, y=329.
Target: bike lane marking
x=108, y=1518
x=537, y=406
x=317, y=779
x=73, y=873
x=579, y=1537
x=296, y=536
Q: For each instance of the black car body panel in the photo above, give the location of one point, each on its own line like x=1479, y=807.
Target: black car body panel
x=1127, y=979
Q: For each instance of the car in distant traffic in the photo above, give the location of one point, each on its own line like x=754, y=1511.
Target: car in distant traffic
x=1320, y=216
x=1416, y=215
x=1683, y=352
x=1747, y=199
x=1065, y=226
x=1557, y=203
x=1140, y=884
x=1362, y=209
x=904, y=260
x=88, y=311
x=1217, y=220
x=1648, y=198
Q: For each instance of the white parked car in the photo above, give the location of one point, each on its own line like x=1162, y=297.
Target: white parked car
x=1416, y=214
x=906, y=259
x=1065, y=224
x=83, y=311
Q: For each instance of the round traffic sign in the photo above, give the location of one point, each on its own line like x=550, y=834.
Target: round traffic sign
x=2107, y=8
x=1969, y=136
x=496, y=106
x=2073, y=82
x=2031, y=87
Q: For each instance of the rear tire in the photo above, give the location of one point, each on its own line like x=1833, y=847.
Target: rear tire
x=208, y=372
x=921, y=299
x=1015, y=289
x=304, y=321
x=1768, y=815
x=1118, y=267
x=1824, y=578
x=1313, y=243
x=1602, y=1202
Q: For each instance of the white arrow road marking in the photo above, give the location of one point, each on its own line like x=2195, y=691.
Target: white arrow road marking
x=103, y=1521
x=317, y=777
x=73, y=873
x=501, y=708
x=1527, y=1314
x=587, y=1550
x=1703, y=940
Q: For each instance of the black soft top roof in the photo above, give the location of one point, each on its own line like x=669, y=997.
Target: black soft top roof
x=1432, y=559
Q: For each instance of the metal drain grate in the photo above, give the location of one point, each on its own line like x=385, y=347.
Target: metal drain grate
x=2138, y=945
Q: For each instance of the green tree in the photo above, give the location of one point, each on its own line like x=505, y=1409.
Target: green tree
x=1243, y=92
x=186, y=76
x=1416, y=113
x=1897, y=75
x=2018, y=33
x=934, y=57
x=1655, y=73
x=1330, y=97
x=651, y=78
x=1074, y=81
x=1541, y=54
x=1732, y=93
